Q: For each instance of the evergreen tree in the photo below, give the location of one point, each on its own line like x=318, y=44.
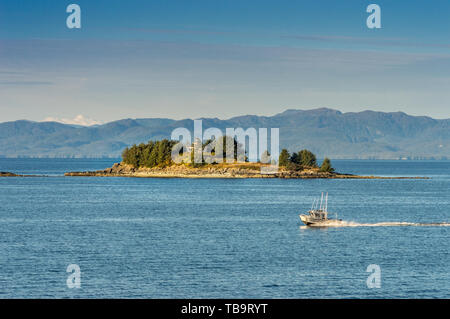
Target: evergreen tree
x=133, y=158
x=146, y=155
x=161, y=152
x=227, y=141
x=125, y=155
x=284, y=158
x=153, y=158
x=295, y=158
x=307, y=158
x=326, y=166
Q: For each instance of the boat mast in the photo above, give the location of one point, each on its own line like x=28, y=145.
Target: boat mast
x=321, y=200
x=326, y=203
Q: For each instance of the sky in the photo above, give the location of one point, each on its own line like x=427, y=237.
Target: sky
x=220, y=58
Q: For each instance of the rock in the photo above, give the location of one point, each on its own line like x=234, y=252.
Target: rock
x=8, y=174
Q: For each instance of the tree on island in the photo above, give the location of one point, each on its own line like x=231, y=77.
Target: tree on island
x=307, y=158
x=159, y=153
x=297, y=161
x=294, y=159
x=304, y=158
x=153, y=154
x=214, y=151
x=229, y=141
x=326, y=166
x=284, y=158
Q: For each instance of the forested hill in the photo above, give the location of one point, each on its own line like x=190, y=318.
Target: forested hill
x=325, y=132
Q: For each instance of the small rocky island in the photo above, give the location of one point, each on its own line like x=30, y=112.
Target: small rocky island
x=244, y=170
x=8, y=174
x=155, y=160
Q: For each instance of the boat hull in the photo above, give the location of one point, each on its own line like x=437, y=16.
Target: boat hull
x=312, y=222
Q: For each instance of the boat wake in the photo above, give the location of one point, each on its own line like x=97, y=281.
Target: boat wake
x=318, y=217
x=343, y=223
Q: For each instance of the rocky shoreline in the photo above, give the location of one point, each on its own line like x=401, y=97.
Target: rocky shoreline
x=8, y=174
x=244, y=170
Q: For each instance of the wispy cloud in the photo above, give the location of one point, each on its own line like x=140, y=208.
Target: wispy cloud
x=179, y=31
x=3, y=72
x=25, y=83
x=78, y=120
x=400, y=42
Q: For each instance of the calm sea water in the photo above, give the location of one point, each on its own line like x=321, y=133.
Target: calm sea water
x=211, y=238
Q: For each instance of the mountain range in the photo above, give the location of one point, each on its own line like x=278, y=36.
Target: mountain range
x=326, y=132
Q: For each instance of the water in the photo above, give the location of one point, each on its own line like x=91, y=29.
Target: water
x=222, y=238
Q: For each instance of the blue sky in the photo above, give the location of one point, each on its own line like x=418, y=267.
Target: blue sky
x=188, y=59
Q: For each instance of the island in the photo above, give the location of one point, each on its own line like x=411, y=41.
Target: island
x=155, y=160
x=8, y=174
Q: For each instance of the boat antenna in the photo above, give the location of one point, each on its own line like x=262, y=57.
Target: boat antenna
x=321, y=200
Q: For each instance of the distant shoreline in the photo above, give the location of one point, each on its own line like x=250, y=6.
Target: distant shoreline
x=326, y=132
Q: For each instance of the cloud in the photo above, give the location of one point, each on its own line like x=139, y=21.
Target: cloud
x=179, y=31
x=399, y=42
x=78, y=120
x=25, y=83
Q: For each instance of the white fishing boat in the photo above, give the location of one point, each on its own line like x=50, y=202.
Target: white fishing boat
x=318, y=216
